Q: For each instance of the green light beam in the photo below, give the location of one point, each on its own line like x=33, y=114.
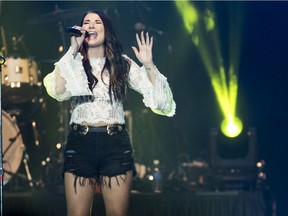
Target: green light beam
x=204, y=34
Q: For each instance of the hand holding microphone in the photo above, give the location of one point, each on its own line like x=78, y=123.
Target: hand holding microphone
x=73, y=31
x=77, y=37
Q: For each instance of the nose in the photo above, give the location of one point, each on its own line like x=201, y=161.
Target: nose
x=91, y=26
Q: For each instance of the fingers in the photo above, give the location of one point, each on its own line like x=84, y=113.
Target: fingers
x=80, y=29
x=151, y=43
x=135, y=50
x=147, y=39
x=141, y=41
x=77, y=27
x=138, y=40
x=142, y=38
x=76, y=41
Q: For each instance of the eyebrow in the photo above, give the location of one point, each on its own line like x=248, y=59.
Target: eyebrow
x=90, y=20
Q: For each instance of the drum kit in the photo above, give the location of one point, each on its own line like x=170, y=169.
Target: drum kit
x=21, y=85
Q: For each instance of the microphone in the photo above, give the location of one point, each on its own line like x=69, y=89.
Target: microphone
x=75, y=32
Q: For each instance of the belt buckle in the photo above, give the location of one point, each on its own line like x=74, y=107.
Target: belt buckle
x=81, y=129
x=113, y=129
x=85, y=131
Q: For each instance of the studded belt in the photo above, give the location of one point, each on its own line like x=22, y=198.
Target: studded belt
x=109, y=129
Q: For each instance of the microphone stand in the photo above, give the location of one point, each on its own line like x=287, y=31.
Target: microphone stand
x=2, y=61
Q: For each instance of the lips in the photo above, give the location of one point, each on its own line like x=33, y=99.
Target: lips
x=92, y=34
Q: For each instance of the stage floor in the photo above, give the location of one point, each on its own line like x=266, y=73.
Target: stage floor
x=227, y=203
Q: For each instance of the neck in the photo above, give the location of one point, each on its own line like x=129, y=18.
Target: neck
x=96, y=52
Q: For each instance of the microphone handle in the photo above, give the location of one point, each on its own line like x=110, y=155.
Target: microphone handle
x=73, y=32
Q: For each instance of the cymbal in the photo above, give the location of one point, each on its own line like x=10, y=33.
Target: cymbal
x=57, y=15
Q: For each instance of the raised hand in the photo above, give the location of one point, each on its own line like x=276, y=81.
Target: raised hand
x=144, y=51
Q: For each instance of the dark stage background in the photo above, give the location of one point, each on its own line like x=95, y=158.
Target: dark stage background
x=262, y=99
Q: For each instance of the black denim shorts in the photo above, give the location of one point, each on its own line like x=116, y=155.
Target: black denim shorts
x=98, y=154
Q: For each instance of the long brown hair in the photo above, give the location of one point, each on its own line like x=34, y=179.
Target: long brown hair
x=117, y=66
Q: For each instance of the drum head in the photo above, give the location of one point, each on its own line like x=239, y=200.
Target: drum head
x=12, y=146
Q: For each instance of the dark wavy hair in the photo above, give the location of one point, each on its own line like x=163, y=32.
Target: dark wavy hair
x=117, y=66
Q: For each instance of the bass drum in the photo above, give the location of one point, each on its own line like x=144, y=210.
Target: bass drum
x=12, y=146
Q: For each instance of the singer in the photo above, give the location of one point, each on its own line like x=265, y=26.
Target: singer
x=95, y=75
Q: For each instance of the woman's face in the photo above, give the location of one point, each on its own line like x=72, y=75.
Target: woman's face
x=93, y=24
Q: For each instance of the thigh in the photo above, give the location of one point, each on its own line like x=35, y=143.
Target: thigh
x=116, y=193
x=78, y=201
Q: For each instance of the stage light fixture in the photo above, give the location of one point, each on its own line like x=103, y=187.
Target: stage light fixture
x=231, y=127
x=234, y=161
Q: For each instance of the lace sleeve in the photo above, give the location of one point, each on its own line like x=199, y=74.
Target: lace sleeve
x=68, y=75
x=159, y=96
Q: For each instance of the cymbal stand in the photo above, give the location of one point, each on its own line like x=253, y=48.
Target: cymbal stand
x=25, y=161
x=2, y=61
x=26, y=177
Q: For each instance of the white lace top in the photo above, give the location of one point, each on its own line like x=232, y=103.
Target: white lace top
x=99, y=109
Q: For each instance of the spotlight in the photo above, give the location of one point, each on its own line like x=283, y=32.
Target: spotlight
x=231, y=127
x=233, y=161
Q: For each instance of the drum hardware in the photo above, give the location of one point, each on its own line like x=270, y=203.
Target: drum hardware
x=52, y=168
x=13, y=150
x=14, y=112
x=12, y=140
x=20, y=73
x=27, y=177
x=35, y=133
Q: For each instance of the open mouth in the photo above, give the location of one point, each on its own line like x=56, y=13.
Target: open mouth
x=92, y=34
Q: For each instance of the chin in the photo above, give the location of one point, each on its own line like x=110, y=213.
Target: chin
x=95, y=45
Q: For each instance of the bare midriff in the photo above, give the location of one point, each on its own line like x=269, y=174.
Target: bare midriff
x=99, y=124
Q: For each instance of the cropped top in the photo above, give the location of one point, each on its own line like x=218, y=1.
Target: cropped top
x=94, y=107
